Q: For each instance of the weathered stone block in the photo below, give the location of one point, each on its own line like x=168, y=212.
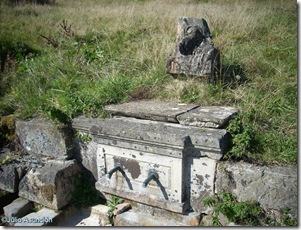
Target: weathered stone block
x=195, y=54
x=50, y=185
x=18, y=208
x=46, y=138
x=10, y=176
x=208, y=116
x=12, y=172
x=150, y=110
x=273, y=187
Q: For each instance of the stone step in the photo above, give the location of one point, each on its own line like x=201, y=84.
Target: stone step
x=6, y=198
x=133, y=218
x=18, y=208
x=44, y=217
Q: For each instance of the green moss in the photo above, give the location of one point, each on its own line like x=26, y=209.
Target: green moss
x=7, y=129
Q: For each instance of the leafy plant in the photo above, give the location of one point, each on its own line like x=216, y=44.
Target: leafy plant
x=112, y=203
x=241, y=139
x=83, y=137
x=243, y=213
x=246, y=213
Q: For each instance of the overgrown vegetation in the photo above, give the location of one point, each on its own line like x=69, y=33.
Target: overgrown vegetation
x=245, y=213
x=83, y=137
x=74, y=57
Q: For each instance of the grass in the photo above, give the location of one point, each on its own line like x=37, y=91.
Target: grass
x=74, y=57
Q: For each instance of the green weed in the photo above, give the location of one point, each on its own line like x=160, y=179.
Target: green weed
x=83, y=137
x=242, y=139
x=112, y=203
x=243, y=213
x=246, y=213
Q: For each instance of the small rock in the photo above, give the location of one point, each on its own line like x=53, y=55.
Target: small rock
x=120, y=208
x=222, y=219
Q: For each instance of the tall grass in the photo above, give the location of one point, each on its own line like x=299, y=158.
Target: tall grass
x=116, y=51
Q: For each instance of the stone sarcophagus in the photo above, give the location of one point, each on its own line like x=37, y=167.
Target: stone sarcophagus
x=145, y=154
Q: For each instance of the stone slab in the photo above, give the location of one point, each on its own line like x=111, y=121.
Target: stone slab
x=187, y=219
x=208, y=116
x=131, y=218
x=44, y=217
x=150, y=110
x=52, y=184
x=274, y=187
x=141, y=218
x=45, y=138
x=5, y=199
x=18, y=208
x=120, y=208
